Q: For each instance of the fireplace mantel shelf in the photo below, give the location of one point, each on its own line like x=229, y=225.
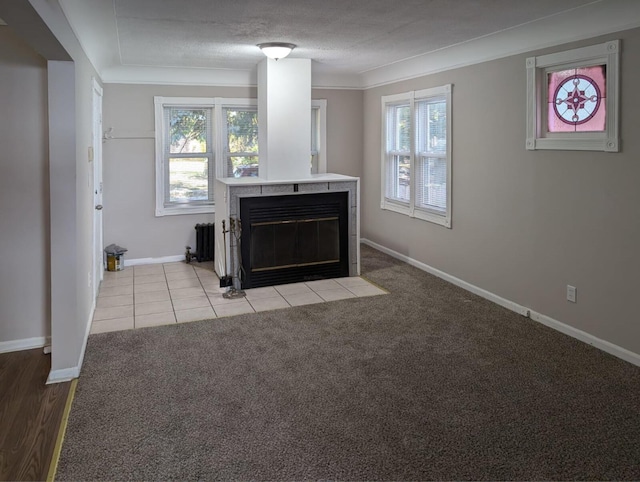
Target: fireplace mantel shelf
x=313, y=178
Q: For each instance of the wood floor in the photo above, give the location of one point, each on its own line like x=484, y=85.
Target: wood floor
x=30, y=415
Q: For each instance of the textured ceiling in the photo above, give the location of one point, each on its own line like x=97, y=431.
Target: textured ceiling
x=347, y=36
x=355, y=39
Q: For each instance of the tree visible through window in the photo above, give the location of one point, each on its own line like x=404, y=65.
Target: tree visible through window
x=189, y=154
x=241, y=150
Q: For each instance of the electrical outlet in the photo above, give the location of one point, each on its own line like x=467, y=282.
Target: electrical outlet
x=571, y=293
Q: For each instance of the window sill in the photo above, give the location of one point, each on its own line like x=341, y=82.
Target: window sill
x=442, y=220
x=185, y=209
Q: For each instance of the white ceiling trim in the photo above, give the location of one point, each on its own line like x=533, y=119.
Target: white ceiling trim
x=127, y=74
x=583, y=23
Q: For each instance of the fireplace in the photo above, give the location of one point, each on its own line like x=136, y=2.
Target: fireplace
x=311, y=205
x=293, y=238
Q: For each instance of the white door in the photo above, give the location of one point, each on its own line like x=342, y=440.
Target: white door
x=98, y=257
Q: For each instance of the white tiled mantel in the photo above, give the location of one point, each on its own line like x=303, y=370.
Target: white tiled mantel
x=229, y=191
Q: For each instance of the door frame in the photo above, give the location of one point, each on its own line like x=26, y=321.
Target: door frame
x=97, y=255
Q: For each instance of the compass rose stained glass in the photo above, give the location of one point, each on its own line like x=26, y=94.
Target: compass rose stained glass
x=577, y=100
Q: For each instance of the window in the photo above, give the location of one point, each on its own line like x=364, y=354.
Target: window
x=241, y=141
x=200, y=139
x=416, y=161
x=572, y=100
x=318, y=136
x=189, y=147
x=576, y=100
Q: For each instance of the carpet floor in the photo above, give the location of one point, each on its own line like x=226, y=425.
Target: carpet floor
x=427, y=382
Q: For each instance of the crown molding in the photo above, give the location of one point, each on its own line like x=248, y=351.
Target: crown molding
x=593, y=20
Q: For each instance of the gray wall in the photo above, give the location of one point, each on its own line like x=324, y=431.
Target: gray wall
x=129, y=164
x=344, y=130
x=24, y=192
x=526, y=223
x=66, y=116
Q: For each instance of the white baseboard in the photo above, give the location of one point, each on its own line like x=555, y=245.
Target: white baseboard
x=63, y=375
x=24, y=344
x=67, y=374
x=583, y=336
x=451, y=279
x=163, y=259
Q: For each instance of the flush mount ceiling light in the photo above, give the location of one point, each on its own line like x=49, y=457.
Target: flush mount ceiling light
x=276, y=50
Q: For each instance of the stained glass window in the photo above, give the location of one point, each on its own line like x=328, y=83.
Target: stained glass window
x=576, y=99
x=572, y=99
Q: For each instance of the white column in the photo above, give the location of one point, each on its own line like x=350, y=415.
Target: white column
x=284, y=118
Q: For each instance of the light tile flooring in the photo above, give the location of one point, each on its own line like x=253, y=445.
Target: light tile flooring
x=161, y=294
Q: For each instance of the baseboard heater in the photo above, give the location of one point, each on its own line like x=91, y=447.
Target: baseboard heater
x=205, y=243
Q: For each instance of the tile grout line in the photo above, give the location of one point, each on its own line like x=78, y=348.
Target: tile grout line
x=205, y=293
x=166, y=280
x=133, y=287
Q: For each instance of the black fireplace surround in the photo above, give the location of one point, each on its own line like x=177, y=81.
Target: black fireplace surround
x=294, y=238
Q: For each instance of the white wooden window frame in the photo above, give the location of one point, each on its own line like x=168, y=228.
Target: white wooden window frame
x=538, y=136
x=410, y=209
x=163, y=208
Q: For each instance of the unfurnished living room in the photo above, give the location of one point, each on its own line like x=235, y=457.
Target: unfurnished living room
x=340, y=240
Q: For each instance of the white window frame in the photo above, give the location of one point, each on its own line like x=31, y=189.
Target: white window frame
x=538, y=68
x=319, y=154
x=219, y=168
x=409, y=208
x=162, y=180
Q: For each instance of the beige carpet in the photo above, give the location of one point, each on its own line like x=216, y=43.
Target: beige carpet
x=429, y=382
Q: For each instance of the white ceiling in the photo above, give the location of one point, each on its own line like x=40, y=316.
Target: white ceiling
x=353, y=43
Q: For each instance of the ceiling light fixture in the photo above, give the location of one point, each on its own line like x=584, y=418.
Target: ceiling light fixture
x=276, y=50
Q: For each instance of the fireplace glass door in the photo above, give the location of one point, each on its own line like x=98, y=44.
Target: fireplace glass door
x=285, y=244
x=287, y=239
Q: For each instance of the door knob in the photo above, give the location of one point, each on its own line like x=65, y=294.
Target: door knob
x=99, y=207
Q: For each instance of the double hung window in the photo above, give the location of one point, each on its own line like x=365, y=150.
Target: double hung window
x=200, y=139
x=197, y=140
x=416, y=159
